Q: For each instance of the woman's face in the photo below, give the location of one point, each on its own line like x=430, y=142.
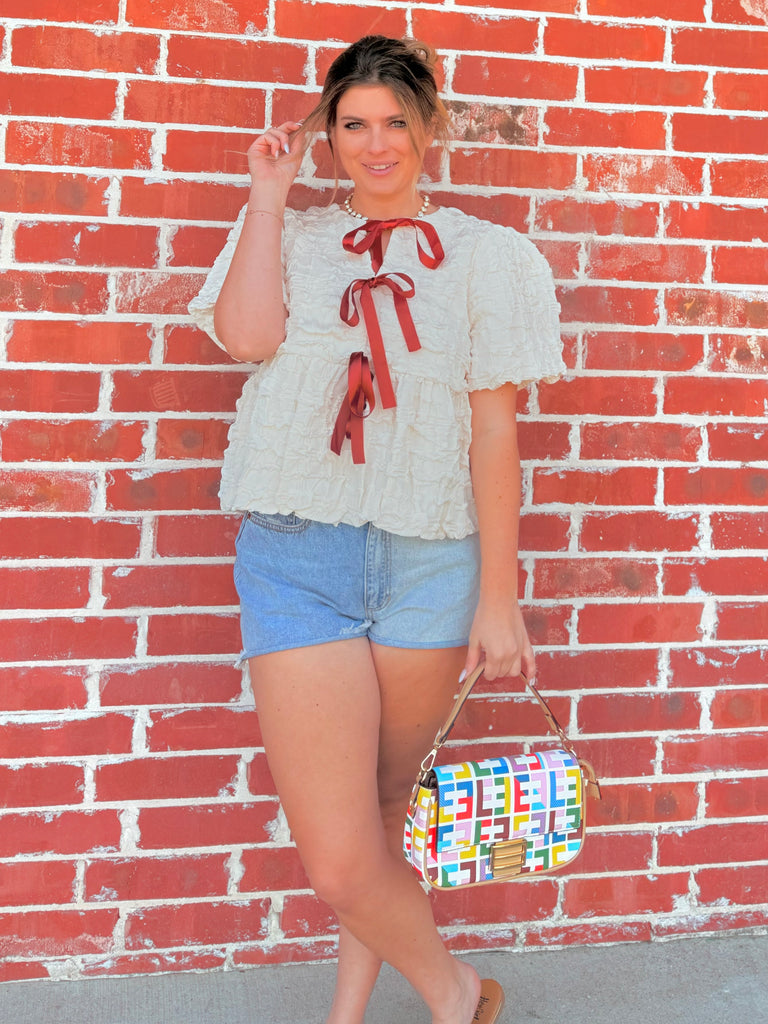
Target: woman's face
x=372, y=141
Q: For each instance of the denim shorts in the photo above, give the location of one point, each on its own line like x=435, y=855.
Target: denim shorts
x=302, y=583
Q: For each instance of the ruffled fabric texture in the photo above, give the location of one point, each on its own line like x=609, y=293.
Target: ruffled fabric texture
x=488, y=315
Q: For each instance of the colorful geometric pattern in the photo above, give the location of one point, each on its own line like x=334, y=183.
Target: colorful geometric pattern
x=462, y=810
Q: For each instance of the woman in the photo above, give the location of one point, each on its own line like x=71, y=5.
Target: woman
x=375, y=456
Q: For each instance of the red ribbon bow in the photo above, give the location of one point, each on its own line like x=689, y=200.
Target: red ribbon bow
x=358, y=298
x=349, y=422
x=359, y=294
x=372, y=231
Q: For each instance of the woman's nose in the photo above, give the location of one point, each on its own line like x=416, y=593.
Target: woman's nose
x=377, y=142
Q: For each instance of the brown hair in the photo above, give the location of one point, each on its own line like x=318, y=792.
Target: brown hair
x=406, y=66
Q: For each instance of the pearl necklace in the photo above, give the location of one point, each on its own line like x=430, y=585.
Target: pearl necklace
x=354, y=213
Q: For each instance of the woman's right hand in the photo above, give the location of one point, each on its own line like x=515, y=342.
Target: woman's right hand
x=275, y=156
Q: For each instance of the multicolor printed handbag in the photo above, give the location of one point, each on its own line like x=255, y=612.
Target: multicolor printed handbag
x=500, y=818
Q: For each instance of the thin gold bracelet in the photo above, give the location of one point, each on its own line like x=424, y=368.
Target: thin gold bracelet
x=268, y=213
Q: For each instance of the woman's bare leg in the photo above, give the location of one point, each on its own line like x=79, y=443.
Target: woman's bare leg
x=322, y=710
x=416, y=689
x=356, y=973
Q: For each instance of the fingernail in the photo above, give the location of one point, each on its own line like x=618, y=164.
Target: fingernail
x=463, y=675
x=285, y=147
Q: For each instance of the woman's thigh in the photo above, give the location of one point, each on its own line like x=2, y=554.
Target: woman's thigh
x=319, y=714
x=345, y=726
x=417, y=689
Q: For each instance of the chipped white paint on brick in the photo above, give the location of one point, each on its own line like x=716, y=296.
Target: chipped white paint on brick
x=756, y=9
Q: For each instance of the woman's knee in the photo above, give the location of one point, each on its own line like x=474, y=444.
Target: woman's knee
x=340, y=881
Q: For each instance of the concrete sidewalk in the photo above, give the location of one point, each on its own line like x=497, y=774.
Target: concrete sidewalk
x=688, y=981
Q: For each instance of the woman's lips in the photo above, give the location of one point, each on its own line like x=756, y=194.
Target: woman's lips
x=379, y=168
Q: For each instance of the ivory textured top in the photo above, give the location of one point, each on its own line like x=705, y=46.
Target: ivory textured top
x=483, y=315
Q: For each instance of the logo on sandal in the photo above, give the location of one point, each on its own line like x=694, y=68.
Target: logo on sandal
x=480, y=1007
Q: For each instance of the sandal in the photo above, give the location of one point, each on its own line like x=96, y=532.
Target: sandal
x=491, y=1002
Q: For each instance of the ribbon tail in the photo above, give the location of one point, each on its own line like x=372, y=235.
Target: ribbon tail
x=407, y=325
x=340, y=427
x=349, y=422
x=378, y=351
x=356, y=394
x=348, y=426
x=355, y=435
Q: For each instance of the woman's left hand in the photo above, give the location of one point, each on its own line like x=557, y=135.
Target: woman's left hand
x=499, y=636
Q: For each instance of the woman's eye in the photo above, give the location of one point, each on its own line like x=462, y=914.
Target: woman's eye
x=356, y=125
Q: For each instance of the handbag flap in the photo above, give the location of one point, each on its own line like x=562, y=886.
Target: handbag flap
x=503, y=798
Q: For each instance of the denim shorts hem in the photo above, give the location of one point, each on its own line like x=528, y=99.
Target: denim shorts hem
x=290, y=645
x=418, y=645
x=406, y=645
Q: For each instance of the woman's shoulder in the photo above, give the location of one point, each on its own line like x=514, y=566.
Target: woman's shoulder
x=489, y=241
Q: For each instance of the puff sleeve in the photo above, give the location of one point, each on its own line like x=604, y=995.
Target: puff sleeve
x=513, y=313
x=202, y=305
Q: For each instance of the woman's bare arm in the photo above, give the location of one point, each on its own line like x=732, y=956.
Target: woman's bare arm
x=498, y=632
x=249, y=315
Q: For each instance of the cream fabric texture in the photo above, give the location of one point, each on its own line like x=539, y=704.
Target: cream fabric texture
x=486, y=316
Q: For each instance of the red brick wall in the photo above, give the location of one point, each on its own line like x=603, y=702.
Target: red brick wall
x=141, y=832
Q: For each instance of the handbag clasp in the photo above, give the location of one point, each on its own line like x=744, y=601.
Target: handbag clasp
x=508, y=858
